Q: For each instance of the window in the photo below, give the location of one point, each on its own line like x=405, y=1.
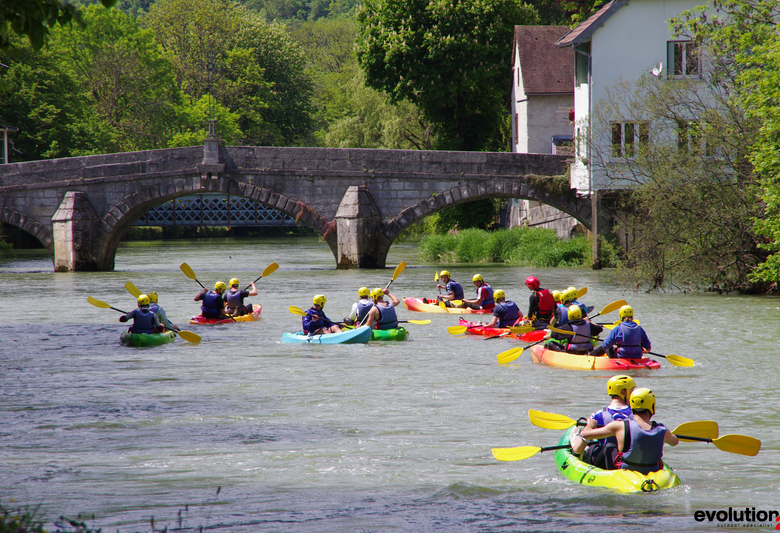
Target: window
x=581, y=61
x=629, y=137
x=683, y=59
x=691, y=138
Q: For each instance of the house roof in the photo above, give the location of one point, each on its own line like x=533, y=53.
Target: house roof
x=545, y=68
x=584, y=30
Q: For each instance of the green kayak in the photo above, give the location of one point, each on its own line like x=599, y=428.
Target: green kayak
x=396, y=334
x=146, y=339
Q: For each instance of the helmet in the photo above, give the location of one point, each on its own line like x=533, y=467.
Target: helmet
x=377, y=293
x=444, y=273
x=532, y=282
x=643, y=399
x=143, y=299
x=498, y=294
x=233, y=282
x=363, y=292
x=319, y=299
x=153, y=297
x=220, y=286
x=575, y=313
x=621, y=386
x=626, y=312
x=556, y=296
x=569, y=294
x=476, y=277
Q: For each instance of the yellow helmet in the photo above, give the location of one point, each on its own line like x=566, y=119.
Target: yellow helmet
x=621, y=386
x=220, y=287
x=643, y=399
x=498, y=294
x=445, y=273
x=569, y=295
x=571, y=289
x=556, y=296
x=377, y=293
x=153, y=297
x=477, y=277
x=626, y=312
x=363, y=292
x=319, y=299
x=143, y=299
x=234, y=282
x=575, y=313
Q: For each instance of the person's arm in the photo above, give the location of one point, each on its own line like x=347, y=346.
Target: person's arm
x=253, y=292
x=671, y=439
x=393, y=299
x=610, y=430
x=156, y=325
x=164, y=319
x=645, y=342
x=562, y=336
x=533, y=305
x=128, y=316
x=353, y=313
x=578, y=444
x=494, y=320
x=373, y=316
x=200, y=295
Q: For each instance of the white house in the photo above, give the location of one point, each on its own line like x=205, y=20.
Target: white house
x=541, y=104
x=620, y=42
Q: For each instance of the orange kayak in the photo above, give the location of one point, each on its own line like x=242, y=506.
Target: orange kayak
x=547, y=357
x=429, y=305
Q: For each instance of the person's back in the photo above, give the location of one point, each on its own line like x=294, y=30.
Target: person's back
x=213, y=301
x=541, y=304
x=383, y=315
x=508, y=313
x=144, y=320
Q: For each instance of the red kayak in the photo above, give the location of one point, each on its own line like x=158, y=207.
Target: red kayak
x=475, y=329
x=251, y=317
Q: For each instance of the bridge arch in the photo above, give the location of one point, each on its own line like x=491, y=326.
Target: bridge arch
x=30, y=225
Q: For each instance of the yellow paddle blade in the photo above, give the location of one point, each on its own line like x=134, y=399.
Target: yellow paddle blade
x=457, y=330
x=741, y=444
x=612, y=326
x=188, y=271
x=703, y=429
x=550, y=420
x=436, y=276
x=270, y=269
x=189, y=336
x=522, y=329
x=562, y=331
x=509, y=355
x=515, y=454
x=400, y=268
x=419, y=322
x=456, y=303
x=617, y=304
x=297, y=310
x=98, y=303
x=678, y=360
x=132, y=289
x=582, y=292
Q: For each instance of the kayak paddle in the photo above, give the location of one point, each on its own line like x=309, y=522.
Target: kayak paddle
x=523, y=452
x=617, y=304
x=457, y=330
x=512, y=354
x=582, y=292
x=190, y=273
x=103, y=305
x=297, y=311
x=400, y=268
x=188, y=336
x=418, y=322
x=741, y=444
x=270, y=269
x=436, y=279
x=132, y=289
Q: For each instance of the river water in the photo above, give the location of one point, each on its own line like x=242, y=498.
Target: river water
x=243, y=433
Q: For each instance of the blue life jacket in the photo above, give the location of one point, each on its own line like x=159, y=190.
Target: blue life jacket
x=607, y=415
x=455, y=288
x=314, y=320
x=579, y=342
x=561, y=315
x=508, y=313
x=143, y=321
x=488, y=301
x=629, y=340
x=387, y=317
x=644, y=448
x=212, y=305
x=364, y=305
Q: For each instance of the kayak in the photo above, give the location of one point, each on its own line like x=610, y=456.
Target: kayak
x=485, y=331
x=396, y=334
x=572, y=467
x=251, y=317
x=360, y=335
x=429, y=305
x=547, y=357
x=146, y=339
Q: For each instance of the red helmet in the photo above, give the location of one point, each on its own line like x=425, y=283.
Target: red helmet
x=532, y=283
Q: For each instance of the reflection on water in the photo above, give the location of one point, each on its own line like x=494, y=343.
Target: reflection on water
x=243, y=433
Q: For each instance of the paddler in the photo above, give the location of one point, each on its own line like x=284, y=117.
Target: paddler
x=541, y=304
x=454, y=289
x=626, y=340
x=315, y=322
x=561, y=313
x=484, y=299
x=506, y=313
x=382, y=315
x=640, y=440
x=602, y=452
x=234, y=298
x=213, y=301
x=359, y=313
x=573, y=292
x=144, y=320
x=157, y=309
x=579, y=343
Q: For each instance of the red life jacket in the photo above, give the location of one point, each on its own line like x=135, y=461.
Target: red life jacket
x=546, y=304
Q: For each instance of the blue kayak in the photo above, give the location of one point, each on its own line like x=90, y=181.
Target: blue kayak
x=360, y=335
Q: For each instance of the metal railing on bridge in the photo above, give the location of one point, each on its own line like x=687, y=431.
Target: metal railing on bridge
x=214, y=210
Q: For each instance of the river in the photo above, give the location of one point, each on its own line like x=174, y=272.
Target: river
x=243, y=433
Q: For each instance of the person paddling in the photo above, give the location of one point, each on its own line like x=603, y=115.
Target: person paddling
x=157, y=309
x=234, y=298
x=540, y=304
x=144, y=320
x=360, y=309
x=579, y=343
x=506, y=313
x=453, y=288
x=382, y=315
x=315, y=322
x=640, y=440
x=213, y=301
x=561, y=313
x=484, y=299
x=602, y=452
x=626, y=340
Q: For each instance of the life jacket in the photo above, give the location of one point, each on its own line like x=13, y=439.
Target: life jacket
x=629, y=340
x=364, y=305
x=154, y=308
x=235, y=299
x=212, y=305
x=143, y=321
x=581, y=306
x=607, y=415
x=511, y=314
x=561, y=315
x=580, y=340
x=546, y=304
x=488, y=302
x=455, y=288
x=642, y=450
x=387, y=317
x=314, y=320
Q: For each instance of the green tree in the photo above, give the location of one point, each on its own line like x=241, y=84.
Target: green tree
x=452, y=60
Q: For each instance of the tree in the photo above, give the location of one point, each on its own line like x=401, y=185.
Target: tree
x=451, y=59
x=36, y=18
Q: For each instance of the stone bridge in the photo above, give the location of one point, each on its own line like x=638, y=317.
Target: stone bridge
x=358, y=200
